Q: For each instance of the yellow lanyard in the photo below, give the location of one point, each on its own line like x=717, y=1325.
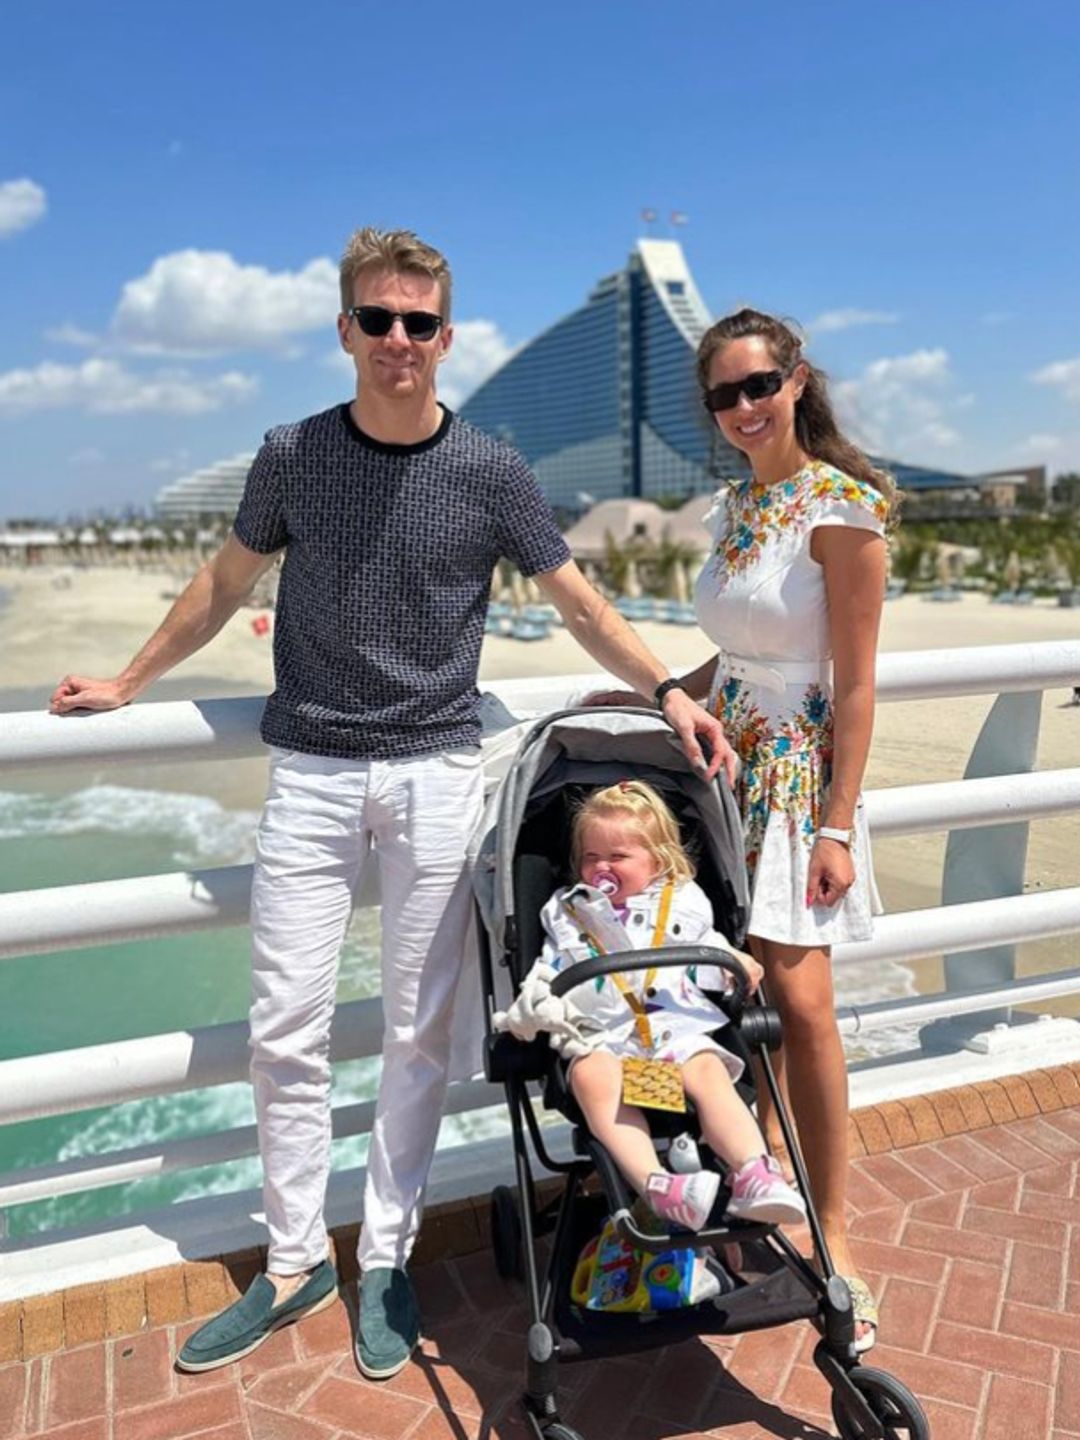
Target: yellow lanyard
x=636, y=1003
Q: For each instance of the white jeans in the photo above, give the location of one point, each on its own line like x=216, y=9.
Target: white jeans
x=322, y=818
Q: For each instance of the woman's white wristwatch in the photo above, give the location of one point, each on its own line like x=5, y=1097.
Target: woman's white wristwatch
x=830, y=832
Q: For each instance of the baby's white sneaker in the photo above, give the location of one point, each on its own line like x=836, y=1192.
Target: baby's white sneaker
x=685, y=1200
x=759, y=1192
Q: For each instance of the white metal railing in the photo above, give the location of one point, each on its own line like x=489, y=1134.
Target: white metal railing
x=68, y=917
x=79, y=916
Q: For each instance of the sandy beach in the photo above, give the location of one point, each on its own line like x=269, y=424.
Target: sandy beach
x=91, y=621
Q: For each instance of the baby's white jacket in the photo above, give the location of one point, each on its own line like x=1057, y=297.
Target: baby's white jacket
x=596, y=1014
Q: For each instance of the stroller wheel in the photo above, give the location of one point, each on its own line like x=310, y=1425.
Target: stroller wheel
x=899, y=1414
x=506, y=1234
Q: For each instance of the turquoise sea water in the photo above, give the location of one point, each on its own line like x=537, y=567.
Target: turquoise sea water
x=114, y=992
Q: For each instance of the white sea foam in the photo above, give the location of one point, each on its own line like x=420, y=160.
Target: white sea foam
x=202, y=832
x=865, y=984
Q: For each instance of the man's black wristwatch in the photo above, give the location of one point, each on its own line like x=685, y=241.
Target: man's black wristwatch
x=665, y=688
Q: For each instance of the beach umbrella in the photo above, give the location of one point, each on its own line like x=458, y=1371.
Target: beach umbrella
x=679, y=588
x=631, y=586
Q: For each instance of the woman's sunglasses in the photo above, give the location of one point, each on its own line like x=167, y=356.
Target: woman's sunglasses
x=377, y=321
x=758, y=386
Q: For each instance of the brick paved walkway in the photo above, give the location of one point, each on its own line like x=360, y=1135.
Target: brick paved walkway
x=972, y=1241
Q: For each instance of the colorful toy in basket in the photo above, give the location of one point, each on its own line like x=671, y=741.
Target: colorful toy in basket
x=611, y=1275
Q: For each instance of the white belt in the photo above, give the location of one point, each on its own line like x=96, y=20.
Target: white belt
x=773, y=674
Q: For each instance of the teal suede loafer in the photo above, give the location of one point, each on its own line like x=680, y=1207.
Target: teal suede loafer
x=254, y=1318
x=389, y=1325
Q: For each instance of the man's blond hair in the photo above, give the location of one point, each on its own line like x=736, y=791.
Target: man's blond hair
x=399, y=251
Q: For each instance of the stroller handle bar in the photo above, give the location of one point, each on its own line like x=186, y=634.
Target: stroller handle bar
x=665, y=959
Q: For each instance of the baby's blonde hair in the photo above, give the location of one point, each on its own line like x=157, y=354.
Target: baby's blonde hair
x=642, y=808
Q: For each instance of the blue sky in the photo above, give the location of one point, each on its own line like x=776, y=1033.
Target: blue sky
x=177, y=180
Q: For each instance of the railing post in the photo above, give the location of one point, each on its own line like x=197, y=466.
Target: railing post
x=987, y=863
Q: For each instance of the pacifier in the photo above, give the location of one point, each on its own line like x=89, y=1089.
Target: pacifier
x=606, y=883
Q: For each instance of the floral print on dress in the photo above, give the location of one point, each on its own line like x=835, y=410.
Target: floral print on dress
x=761, y=597
x=786, y=762
x=757, y=512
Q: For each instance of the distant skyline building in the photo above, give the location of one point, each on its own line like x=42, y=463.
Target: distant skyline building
x=605, y=403
x=214, y=490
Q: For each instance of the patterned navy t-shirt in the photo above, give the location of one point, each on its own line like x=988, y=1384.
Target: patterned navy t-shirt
x=389, y=553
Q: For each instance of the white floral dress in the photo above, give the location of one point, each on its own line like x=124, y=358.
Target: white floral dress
x=761, y=598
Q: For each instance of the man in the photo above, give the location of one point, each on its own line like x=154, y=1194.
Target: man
x=392, y=513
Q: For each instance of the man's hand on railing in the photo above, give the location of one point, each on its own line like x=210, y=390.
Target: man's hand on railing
x=81, y=692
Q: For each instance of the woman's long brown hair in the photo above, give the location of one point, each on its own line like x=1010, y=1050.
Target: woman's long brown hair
x=816, y=429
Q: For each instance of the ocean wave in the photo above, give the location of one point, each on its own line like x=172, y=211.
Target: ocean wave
x=164, y=1118
x=201, y=830
x=866, y=984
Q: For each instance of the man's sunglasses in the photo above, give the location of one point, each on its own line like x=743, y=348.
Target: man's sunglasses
x=376, y=321
x=757, y=386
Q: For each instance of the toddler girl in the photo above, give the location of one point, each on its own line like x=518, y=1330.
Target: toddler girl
x=636, y=891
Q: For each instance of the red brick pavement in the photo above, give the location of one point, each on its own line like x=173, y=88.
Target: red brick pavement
x=972, y=1242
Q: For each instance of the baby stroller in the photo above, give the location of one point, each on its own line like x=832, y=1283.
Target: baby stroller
x=522, y=858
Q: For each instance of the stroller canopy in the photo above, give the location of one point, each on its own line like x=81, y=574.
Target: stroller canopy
x=587, y=748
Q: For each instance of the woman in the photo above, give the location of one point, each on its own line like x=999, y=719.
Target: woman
x=792, y=594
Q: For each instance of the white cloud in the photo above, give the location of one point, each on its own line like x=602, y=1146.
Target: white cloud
x=918, y=366
x=72, y=335
x=200, y=302
x=105, y=387
x=845, y=319
x=338, y=359
x=1060, y=453
x=22, y=203
x=1040, y=444
x=171, y=464
x=901, y=404
x=1065, y=374
x=478, y=350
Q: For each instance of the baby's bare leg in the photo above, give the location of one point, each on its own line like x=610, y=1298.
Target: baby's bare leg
x=596, y=1081
x=726, y=1123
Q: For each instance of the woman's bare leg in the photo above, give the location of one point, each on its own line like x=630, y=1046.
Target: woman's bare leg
x=596, y=1081
x=766, y=1110
x=799, y=983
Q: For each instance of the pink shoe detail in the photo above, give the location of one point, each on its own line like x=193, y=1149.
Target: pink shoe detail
x=759, y=1192
x=684, y=1200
